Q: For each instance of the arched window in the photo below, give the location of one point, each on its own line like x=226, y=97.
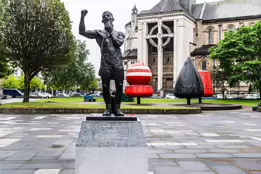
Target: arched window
x=251, y=23
x=204, y=65
x=210, y=36
x=220, y=32
x=231, y=27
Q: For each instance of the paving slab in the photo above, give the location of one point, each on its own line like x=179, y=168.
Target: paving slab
x=18, y=171
x=168, y=170
x=248, y=165
x=193, y=166
x=43, y=165
x=228, y=169
x=208, y=143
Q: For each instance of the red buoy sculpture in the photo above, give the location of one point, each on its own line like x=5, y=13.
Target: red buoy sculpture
x=138, y=77
x=207, y=83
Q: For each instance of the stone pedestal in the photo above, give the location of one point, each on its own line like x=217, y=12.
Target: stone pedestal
x=111, y=145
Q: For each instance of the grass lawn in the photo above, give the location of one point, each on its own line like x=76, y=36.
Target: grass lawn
x=171, y=101
x=78, y=103
x=249, y=103
x=73, y=103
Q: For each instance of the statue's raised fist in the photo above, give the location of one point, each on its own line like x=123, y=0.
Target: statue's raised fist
x=84, y=12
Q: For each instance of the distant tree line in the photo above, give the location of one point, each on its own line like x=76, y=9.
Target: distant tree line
x=36, y=36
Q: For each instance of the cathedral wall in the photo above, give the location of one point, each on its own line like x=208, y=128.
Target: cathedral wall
x=168, y=63
x=127, y=37
x=219, y=29
x=153, y=65
x=188, y=35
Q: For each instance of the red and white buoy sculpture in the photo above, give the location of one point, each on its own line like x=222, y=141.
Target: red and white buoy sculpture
x=138, y=77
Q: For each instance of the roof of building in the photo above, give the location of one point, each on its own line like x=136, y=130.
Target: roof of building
x=133, y=53
x=196, y=10
x=134, y=8
x=130, y=54
x=164, y=6
x=126, y=53
x=128, y=24
x=226, y=9
x=201, y=51
x=221, y=9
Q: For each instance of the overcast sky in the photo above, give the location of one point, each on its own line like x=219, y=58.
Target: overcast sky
x=121, y=10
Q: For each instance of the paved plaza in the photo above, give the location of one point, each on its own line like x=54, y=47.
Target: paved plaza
x=223, y=142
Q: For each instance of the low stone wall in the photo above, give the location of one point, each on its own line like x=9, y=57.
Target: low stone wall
x=89, y=111
x=220, y=107
x=211, y=107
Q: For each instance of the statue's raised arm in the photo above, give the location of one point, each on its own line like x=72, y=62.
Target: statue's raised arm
x=87, y=33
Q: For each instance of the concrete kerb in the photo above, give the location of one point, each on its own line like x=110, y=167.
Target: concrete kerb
x=194, y=110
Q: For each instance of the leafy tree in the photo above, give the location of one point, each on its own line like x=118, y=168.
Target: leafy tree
x=94, y=85
x=239, y=55
x=79, y=73
x=10, y=83
x=87, y=80
x=219, y=79
x=3, y=5
x=37, y=37
x=5, y=69
x=36, y=83
x=21, y=83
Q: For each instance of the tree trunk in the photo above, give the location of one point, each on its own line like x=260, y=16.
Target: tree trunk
x=200, y=100
x=138, y=100
x=260, y=90
x=26, y=88
x=188, y=101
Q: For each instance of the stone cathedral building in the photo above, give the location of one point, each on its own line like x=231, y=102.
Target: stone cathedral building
x=165, y=35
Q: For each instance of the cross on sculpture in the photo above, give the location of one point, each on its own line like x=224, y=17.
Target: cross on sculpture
x=159, y=47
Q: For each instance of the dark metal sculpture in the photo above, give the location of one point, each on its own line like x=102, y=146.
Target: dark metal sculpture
x=189, y=84
x=111, y=66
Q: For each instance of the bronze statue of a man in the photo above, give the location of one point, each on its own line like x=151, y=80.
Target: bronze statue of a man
x=111, y=66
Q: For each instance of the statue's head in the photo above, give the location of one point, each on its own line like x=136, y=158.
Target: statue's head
x=107, y=17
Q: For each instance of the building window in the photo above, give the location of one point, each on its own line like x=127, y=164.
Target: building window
x=165, y=61
x=219, y=32
x=168, y=59
x=231, y=27
x=210, y=36
x=204, y=65
x=251, y=23
x=153, y=60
